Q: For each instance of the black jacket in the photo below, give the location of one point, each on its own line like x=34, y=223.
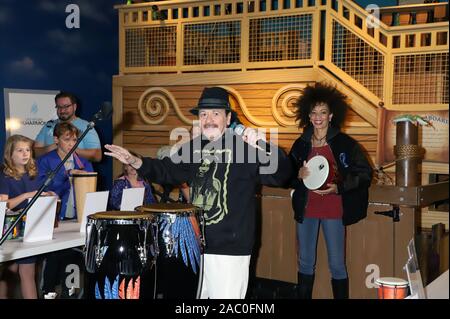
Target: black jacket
x=353, y=168
x=225, y=190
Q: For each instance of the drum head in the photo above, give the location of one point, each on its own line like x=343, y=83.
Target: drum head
x=168, y=208
x=318, y=172
x=121, y=215
x=391, y=282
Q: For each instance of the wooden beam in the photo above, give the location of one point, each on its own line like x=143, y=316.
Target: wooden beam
x=433, y=192
x=394, y=195
x=409, y=196
x=214, y=78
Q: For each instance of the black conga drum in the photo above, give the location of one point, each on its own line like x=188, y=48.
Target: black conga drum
x=180, y=233
x=120, y=253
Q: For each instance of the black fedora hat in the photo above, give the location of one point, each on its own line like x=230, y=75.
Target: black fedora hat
x=213, y=98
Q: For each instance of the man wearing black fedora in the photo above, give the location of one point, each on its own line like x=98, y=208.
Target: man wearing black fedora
x=223, y=170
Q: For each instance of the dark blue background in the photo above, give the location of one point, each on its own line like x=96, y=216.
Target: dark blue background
x=39, y=52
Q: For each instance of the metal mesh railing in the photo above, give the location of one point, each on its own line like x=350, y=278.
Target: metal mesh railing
x=421, y=78
x=153, y=46
x=212, y=43
x=358, y=59
x=280, y=38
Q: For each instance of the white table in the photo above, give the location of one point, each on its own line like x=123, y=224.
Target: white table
x=438, y=288
x=66, y=235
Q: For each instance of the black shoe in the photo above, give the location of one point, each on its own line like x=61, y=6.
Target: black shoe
x=305, y=286
x=340, y=288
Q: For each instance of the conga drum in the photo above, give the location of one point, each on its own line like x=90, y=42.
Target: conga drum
x=83, y=183
x=392, y=288
x=119, y=255
x=180, y=233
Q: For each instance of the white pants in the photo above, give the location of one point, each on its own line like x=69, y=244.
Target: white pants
x=225, y=277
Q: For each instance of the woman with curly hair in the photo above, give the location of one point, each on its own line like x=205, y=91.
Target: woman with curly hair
x=18, y=183
x=343, y=199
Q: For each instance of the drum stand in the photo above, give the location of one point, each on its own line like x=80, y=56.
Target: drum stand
x=200, y=279
x=155, y=264
x=202, y=244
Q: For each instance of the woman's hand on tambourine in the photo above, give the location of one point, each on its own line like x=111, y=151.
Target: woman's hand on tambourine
x=332, y=189
x=303, y=172
x=123, y=155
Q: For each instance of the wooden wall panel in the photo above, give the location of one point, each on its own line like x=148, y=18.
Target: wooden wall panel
x=258, y=103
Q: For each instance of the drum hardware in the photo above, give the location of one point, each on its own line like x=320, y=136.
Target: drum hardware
x=142, y=255
x=98, y=253
x=168, y=239
x=202, y=236
x=155, y=243
x=143, y=250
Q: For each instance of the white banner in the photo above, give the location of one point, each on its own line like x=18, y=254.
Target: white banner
x=26, y=111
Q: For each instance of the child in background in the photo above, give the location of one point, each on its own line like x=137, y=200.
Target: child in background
x=65, y=136
x=18, y=183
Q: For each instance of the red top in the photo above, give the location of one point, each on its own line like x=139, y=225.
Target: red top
x=326, y=206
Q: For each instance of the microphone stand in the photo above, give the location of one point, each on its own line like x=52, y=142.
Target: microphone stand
x=50, y=177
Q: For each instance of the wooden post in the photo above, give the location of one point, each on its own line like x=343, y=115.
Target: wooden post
x=437, y=232
x=406, y=167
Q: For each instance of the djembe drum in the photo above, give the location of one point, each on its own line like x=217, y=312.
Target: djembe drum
x=83, y=183
x=392, y=288
x=180, y=233
x=120, y=253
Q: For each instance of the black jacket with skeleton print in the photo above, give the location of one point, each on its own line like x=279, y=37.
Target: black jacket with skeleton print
x=223, y=176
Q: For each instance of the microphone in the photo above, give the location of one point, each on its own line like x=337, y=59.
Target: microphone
x=104, y=113
x=263, y=145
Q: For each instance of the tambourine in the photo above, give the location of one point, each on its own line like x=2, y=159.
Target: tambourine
x=318, y=172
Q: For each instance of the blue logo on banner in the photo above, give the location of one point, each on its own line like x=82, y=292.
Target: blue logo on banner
x=34, y=108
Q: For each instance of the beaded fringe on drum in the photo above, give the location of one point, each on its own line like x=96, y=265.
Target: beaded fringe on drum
x=183, y=239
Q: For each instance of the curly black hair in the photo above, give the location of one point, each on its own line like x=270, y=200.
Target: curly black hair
x=321, y=93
